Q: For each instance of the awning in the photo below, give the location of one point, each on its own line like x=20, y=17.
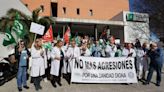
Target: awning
x=88, y=21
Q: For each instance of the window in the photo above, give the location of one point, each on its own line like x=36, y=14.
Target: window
x=64, y=10
x=78, y=11
x=90, y=12
x=42, y=7
x=54, y=7
x=26, y=5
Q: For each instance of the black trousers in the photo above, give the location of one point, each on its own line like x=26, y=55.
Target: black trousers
x=158, y=69
x=60, y=69
x=36, y=81
x=47, y=71
x=58, y=78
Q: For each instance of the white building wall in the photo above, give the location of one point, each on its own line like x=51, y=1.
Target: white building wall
x=138, y=28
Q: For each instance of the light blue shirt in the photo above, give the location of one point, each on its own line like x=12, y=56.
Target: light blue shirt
x=23, y=58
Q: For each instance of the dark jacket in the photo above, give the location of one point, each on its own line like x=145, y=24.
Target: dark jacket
x=18, y=54
x=156, y=57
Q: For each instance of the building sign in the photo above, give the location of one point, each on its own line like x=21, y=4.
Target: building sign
x=137, y=17
x=104, y=70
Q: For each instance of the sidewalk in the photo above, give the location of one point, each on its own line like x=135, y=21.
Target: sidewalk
x=11, y=86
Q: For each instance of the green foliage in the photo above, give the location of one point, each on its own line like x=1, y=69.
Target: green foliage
x=26, y=20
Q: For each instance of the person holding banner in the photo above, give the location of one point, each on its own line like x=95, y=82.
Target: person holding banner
x=84, y=51
x=72, y=54
x=38, y=64
x=57, y=56
x=128, y=51
x=96, y=49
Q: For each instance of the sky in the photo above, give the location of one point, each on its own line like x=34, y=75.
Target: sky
x=153, y=36
x=131, y=4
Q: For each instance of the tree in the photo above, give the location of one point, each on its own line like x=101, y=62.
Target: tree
x=26, y=20
x=155, y=9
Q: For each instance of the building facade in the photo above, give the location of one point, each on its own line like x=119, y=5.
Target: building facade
x=90, y=17
x=81, y=9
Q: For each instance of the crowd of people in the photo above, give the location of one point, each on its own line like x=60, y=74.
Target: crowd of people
x=57, y=62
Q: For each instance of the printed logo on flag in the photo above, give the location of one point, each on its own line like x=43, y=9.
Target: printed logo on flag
x=7, y=37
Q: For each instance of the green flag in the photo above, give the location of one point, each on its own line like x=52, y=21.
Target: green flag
x=130, y=17
x=47, y=45
x=18, y=27
x=9, y=39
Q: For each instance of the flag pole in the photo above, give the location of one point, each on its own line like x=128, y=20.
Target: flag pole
x=34, y=40
x=63, y=30
x=63, y=33
x=35, y=37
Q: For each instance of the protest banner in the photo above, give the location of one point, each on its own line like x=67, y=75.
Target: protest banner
x=37, y=28
x=104, y=70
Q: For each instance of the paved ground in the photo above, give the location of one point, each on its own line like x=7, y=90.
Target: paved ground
x=47, y=87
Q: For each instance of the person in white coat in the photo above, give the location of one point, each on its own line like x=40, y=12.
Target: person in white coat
x=84, y=51
x=57, y=56
x=65, y=63
x=139, y=61
x=111, y=48
x=128, y=51
x=72, y=54
x=37, y=64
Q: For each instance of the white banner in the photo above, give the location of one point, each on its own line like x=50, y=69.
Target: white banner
x=104, y=70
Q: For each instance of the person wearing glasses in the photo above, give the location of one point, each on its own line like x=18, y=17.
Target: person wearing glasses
x=22, y=54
